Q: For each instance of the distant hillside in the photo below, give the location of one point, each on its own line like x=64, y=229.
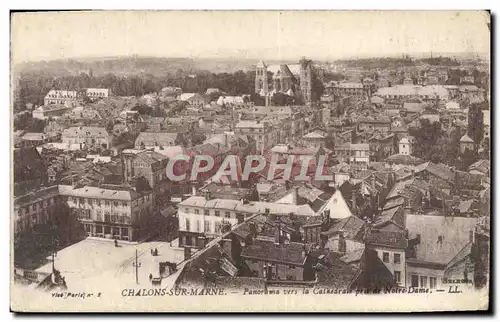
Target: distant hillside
x=133, y=65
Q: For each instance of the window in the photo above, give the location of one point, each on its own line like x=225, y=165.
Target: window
x=207, y=226
x=432, y=282
x=423, y=281
x=291, y=267
x=217, y=213
x=198, y=228
x=106, y=203
x=113, y=218
x=107, y=217
x=187, y=224
x=197, y=211
x=414, y=281
x=206, y=212
x=124, y=204
x=186, y=210
x=397, y=276
x=397, y=258
x=385, y=257
x=227, y=214
x=115, y=203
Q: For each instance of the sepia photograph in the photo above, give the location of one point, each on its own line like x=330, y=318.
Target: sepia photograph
x=250, y=161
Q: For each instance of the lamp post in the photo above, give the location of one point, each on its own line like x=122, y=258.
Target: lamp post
x=136, y=264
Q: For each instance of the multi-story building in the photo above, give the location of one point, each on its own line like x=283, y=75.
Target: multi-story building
x=425, y=93
x=354, y=153
x=47, y=111
x=275, y=260
x=382, y=124
x=110, y=212
x=147, y=140
x=390, y=247
x=67, y=98
x=440, y=248
x=202, y=218
x=98, y=93
x=406, y=145
x=144, y=163
x=87, y=136
x=36, y=208
x=262, y=132
x=466, y=143
x=348, y=89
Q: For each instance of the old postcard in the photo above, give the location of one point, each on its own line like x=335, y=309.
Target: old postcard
x=250, y=161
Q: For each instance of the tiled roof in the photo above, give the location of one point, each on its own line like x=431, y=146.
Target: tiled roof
x=482, y=166
x=96, y=192
x=83, y=131
x=387, y=238
x=161, y=138
x=350, y=226
x=389, y=215
x=292, y=253
x=466, y=139
x=440, y=170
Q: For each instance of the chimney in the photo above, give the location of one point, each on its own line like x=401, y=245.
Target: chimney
x=342, y=243
x=187, y=253
x=253, y=229
x=226, y=245
x=193, y=190
x=277, y=237
x=326, y=217
x=353, y=200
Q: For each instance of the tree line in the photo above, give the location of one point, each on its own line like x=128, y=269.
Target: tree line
x=32, y=87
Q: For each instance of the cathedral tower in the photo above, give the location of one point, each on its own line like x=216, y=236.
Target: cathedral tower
x=306, y=80
x=261, y=85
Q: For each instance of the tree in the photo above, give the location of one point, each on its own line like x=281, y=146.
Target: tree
x=198, y=138
x=37, y=125
x=468, y=158
x=475, y=127
x=426, y=140
x=280, y=99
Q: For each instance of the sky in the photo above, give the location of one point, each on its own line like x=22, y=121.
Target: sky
x=276, y=35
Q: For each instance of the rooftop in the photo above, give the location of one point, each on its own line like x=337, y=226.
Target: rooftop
x=292, y=253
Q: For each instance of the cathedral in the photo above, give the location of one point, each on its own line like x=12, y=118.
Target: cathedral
x=293, y=80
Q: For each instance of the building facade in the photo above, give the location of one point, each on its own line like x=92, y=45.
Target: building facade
x=87, y=137
x=262, y=132
x=109, y=213
x=67, y=98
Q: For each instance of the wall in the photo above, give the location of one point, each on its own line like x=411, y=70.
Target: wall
x=280, y=271
x=391, y=265
x=203, y=224
x=426, y=272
